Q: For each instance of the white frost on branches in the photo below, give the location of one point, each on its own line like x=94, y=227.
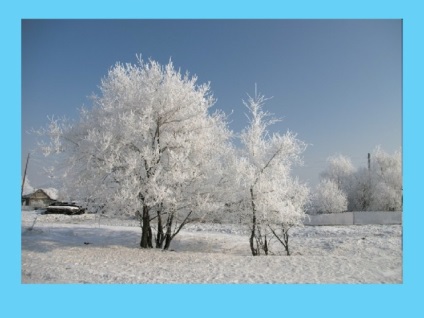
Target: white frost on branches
x=329, y=198
x=148, y=145
x=386, y=175
x=339, y=170
x=271, y=200
x=377, y=188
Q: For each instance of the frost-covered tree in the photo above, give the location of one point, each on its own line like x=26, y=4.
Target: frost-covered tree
x=386, y=175
x=339, y=170
x=149, y=146
x=271, y=200
x=361, y=190
x=329, y=198
x=331, y=194
x=377, y=188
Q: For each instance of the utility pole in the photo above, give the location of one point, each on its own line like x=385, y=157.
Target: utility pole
x=23, y=181
x=369, y=162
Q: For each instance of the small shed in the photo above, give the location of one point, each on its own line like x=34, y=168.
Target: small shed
x=39, y=199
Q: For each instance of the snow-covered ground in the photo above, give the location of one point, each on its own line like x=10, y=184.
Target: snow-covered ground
x=84, y=249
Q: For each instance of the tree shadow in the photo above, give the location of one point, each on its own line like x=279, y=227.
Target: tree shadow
x=45, y=239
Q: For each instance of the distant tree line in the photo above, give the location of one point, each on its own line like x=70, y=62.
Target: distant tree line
x=377, y=187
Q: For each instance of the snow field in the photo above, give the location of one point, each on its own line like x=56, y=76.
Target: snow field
x=55, y=250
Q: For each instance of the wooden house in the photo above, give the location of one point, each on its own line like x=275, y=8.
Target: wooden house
x=38, y=199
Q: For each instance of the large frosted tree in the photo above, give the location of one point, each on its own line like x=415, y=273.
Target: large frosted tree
x=272, y=201
x=149, y=146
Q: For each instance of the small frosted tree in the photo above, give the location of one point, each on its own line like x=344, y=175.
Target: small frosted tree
x=328, y=198
x=290, y=212
x=271, y=200
x=148, y=147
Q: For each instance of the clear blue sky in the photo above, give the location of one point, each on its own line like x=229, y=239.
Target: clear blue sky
x=336, y=83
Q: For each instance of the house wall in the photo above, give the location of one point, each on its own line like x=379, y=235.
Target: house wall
x=38, y=199
x=39, y=203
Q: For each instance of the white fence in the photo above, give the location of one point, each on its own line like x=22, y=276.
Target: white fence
x=355, y=218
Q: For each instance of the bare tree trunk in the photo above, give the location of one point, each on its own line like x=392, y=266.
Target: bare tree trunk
x=255, y=251
x=286, y=241
x=146, y=230
x=265, y=248
x=261, y=241
x=285, y=238
x=168, y=234
x=168, y=239
x=150, y=237
x=160, y=235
